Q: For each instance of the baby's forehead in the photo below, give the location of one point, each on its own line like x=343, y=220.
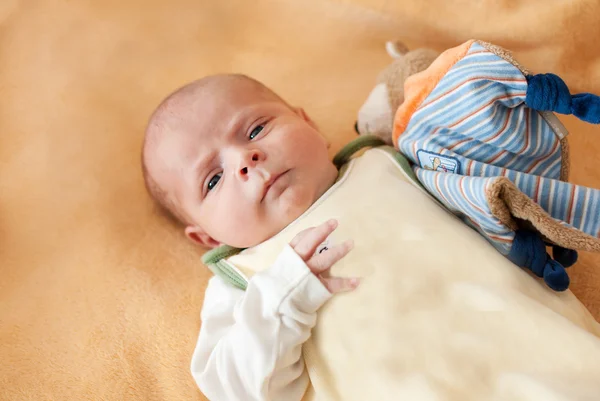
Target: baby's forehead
x=216, y=97
x=236, y=91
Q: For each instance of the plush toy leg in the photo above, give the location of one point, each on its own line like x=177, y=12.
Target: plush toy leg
x=555, y=275
x=566, y=257
x=548, y=92
x=529, y=251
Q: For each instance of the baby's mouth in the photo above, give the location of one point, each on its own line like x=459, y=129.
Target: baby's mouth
x=270, y=182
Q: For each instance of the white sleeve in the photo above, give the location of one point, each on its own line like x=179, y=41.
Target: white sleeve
x=250, y=343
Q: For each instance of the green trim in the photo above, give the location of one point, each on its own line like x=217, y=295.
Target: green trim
x=222, y=252
x=366, y=141
x=215, y=261
x=403, y=163
x=228, y=274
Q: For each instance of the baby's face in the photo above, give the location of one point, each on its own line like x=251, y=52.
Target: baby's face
x=243, y=164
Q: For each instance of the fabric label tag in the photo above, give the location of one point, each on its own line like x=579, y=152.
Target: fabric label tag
x=436, y=162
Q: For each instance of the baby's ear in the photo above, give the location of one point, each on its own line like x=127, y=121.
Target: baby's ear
x=199, y=236
x=300, y=111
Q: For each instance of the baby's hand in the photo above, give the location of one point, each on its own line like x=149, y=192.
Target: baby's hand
x=305, y=245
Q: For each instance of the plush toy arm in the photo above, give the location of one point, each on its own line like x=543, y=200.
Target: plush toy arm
x=547, y=92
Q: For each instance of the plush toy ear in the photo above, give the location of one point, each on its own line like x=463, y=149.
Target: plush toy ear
x=396, y=49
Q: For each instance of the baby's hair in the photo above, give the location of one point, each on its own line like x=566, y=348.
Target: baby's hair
x=157, y=122
x=166, y=204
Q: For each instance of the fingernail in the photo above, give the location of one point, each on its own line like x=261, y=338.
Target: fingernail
x=355, y=282
x=332, y=223
x=350, y=243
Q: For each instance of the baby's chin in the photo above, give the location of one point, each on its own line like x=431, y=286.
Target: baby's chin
x=290, y=205
x=294, y=201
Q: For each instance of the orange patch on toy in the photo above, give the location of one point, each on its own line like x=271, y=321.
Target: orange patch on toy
x=417, y=87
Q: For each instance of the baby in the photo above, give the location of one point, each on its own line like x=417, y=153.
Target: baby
x=235, y=164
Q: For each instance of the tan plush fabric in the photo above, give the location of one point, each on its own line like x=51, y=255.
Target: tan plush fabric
x=99, y=296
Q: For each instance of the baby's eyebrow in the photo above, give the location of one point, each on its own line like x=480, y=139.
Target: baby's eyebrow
x=203, y=163
x=243, y=119
x=238, y=121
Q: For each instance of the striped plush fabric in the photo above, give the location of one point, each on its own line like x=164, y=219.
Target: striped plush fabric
x=465, y=124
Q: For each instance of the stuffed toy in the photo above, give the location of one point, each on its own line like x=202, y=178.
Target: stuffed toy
x=480, y=133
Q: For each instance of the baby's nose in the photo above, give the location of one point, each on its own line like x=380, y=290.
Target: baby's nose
x=248, y=162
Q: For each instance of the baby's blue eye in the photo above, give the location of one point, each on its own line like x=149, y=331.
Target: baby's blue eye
x=213, y=181
x=256, y=131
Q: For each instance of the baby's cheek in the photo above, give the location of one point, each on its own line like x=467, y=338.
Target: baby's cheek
x=303, y=138
x=294, y=201
x=240, y=230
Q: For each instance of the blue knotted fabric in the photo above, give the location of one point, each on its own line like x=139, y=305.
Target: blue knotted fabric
x=548, y=92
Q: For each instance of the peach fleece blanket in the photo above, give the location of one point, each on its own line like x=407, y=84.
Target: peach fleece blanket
x=99, y=295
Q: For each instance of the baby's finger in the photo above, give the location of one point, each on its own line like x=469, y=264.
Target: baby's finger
x=323, y=261
x=307, y=246
x=296, y=240
x=339, y=284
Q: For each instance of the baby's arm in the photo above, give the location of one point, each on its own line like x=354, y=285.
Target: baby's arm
x=250, y=342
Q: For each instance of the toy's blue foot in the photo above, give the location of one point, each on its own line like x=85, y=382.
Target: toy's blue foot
x=566, y=257
x=555, y=275
x=529, y=252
